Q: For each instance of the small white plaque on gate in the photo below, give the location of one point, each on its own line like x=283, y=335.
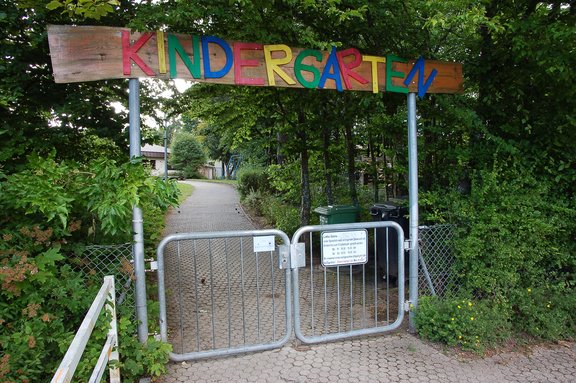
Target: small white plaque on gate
x=264, y=243
x=342, y=248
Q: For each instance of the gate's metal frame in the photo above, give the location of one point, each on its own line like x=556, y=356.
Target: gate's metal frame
x=235, y=349
x=358, y=332
x=291, y=257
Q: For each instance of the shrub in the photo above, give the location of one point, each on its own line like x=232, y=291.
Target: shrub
x=514, y=250
x=42, y=302
x=469, y=324
x=255, y=201
x=285, y=180
x=48, y=212
x=514, y=234
x=252, y=179
x=283, y=216
x=545, y=312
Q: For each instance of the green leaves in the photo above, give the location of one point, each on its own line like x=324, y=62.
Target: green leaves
x=514, y=252
x=464, y=322
x=41, y=190
x=47, y=211
x=100, y=195
x=84, y=9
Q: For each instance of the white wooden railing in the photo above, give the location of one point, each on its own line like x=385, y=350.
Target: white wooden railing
x=106, y=296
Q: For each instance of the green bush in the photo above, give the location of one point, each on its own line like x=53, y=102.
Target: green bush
x=469, y=324
x=252, y=179
x=283, y=216
x=544, y=312
x=255, y=201
x=514, y=245
x=285, y=180
x=515, y=234
x=41, y=303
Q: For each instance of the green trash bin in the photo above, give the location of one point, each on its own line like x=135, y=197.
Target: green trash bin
x=337, y=214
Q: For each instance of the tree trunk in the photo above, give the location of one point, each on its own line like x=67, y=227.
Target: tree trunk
x=351, y=154
x=375, y=181
x=280, y=140
x=306, y=198
x=327, y=164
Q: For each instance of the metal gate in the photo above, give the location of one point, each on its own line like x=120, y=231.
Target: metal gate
x=231, y=292
x=342, y=301
x=227, y=292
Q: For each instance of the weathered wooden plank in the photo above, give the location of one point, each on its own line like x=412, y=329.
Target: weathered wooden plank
x=86, y=53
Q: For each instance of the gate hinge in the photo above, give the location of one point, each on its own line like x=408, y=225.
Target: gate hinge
x=152, y=265
x=150, y=262
x=407, y=244
x=408, y=306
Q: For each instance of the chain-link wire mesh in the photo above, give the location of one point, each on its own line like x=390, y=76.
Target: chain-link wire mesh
x=102, y=260
x=436, y=276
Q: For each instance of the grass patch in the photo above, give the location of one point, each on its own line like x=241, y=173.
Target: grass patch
x=229, y=182
x=186, y=191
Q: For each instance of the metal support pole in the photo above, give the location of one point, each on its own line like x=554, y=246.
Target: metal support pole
x=165, y=151
x=137, y=221
x=413, y=196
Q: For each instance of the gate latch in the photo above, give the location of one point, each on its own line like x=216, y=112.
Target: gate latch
x=293, y=256
x=284, y=257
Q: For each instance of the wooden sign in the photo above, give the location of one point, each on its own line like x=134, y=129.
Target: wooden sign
x=87, y=53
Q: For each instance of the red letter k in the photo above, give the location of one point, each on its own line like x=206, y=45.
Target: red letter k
x=129, y=52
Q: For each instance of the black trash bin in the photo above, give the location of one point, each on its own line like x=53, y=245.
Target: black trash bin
x=387, y=239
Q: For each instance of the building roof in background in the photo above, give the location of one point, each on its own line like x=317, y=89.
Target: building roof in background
x=153, y=151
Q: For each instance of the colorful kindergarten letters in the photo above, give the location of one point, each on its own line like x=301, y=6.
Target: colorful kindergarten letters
x=93, y=53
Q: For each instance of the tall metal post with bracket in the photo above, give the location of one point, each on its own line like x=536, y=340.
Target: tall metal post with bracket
x=413, y=201
x=137, y=219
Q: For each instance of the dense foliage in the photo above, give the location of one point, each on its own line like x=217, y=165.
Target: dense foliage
x=514, y=258
x=64, y=183
x=48, y=212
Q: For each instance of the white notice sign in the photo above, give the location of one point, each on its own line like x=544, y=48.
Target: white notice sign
x=341, y=248
x=264, y=243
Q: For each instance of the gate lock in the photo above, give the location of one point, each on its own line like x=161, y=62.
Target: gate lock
x=293, y=256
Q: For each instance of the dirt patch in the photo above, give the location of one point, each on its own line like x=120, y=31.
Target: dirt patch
x=257, y=220
x=522, y=344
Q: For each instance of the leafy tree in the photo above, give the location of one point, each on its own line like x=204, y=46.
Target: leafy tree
x=216, y=146
x=37, y=114
x=187, y=155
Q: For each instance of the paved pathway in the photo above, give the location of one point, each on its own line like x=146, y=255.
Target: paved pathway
x=397, y=357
